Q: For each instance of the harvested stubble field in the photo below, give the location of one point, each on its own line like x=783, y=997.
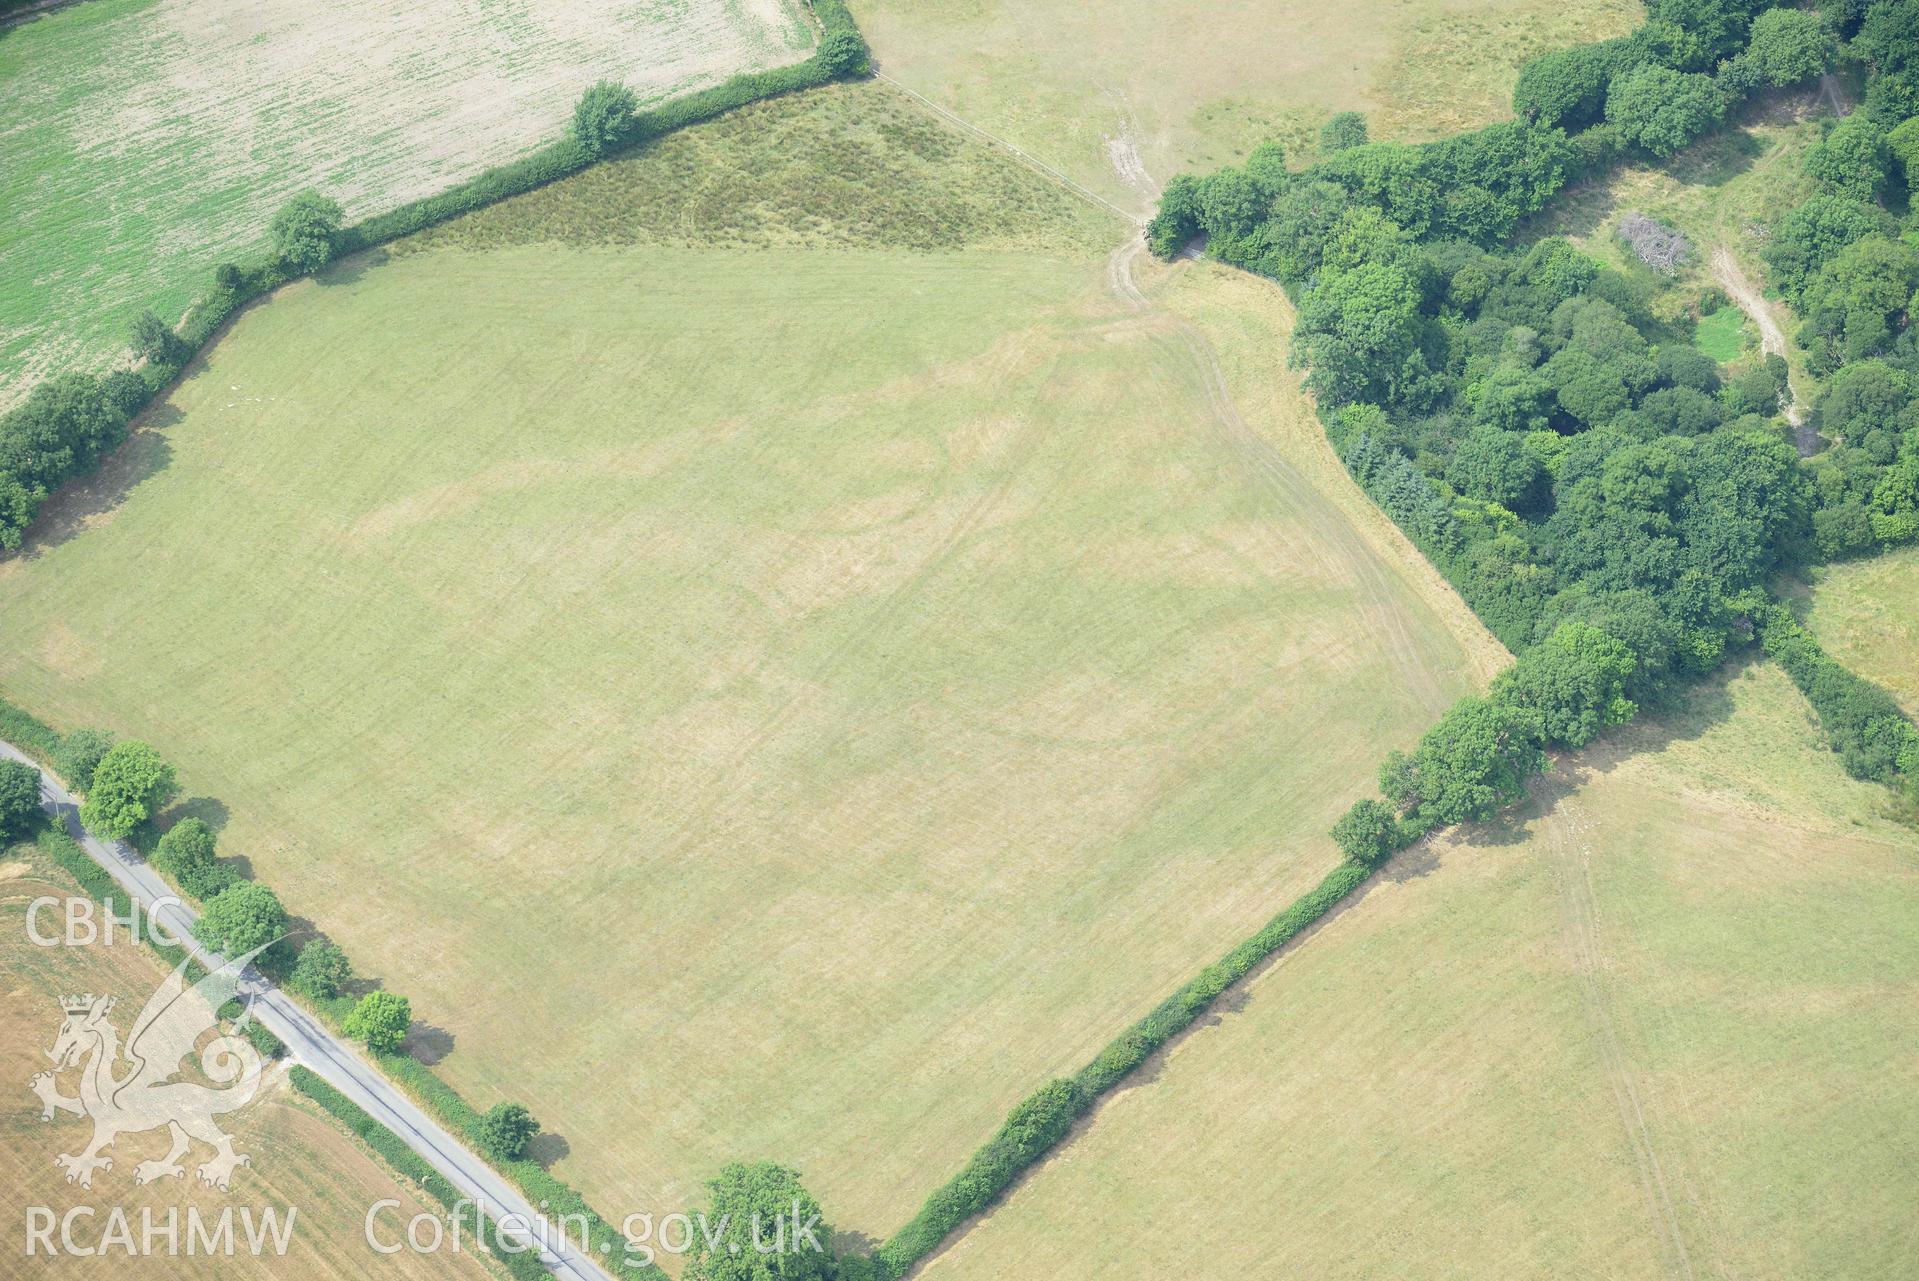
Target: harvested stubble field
x=300, y=1157
x=1661, y=1025
x=147, y=140
x=756, y=706
x=1096, y=88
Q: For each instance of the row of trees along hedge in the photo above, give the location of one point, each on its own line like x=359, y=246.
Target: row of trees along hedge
x=1040, y=1121
x=1555, y=451
x=69, y=422
x=1609, y=504
x=238, y=915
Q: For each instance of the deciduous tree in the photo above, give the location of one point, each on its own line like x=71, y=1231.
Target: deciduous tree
x=603, y=117
x=321, y=970
x=19, y=800
x=130, y=783
x=244, y=916
x=1660, y=110
x=305, y=231
x=506, y=1128
x=761, y=1224
x=380, y=1019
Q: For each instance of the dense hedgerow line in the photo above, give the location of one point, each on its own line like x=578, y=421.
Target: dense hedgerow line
x=1862, y=722
x=284, y=968
x=1609, y=506
x=1043, y=1118
x=68, y=423
x=95, y=880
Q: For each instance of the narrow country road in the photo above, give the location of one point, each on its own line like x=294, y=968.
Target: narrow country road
x=312, y=1044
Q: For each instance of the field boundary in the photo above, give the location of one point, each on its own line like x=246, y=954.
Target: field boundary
x=1850, y=713
x=1040, y=1122
x=1019, y=153
x=840, y=55
x=94, y=881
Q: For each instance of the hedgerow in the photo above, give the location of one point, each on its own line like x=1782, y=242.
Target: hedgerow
x=1863, y=723
x=1038, y=1123
x=101, y=886
x=70, y=421
x=28, y=733
x=556, y=1197
x=1458, y=385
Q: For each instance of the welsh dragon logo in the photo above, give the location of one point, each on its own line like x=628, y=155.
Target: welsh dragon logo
x=136, y=1089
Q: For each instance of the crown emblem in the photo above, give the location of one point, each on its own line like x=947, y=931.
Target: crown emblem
x=77, y=1004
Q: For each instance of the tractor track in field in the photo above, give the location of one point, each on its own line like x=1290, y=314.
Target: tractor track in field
x=1341, y=542
x=1656, y=1165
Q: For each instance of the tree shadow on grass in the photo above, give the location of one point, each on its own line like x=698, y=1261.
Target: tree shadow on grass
x=1579, y=210
x=426, y=1043
x=349, y=270
x=1717, y=159
x=1693, y=712
x=545, y=1148
x=844, y=1243
x=207, y=809
x=1418, y=861
x=83, y=501
x=300, y=932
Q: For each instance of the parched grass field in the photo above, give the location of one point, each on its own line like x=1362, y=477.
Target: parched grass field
x=757, y=706
x=146, y=140
x=1661, y=1026
x=300, y=1157
x=1864, y=613
x=1096, y=89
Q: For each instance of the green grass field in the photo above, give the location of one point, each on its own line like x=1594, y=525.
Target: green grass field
x=1723, y=334
x=300, y=1158
x=757, y=706
x=149, y=139
x=1660, y=1025
x=1862, y=612
x=1098, y=89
